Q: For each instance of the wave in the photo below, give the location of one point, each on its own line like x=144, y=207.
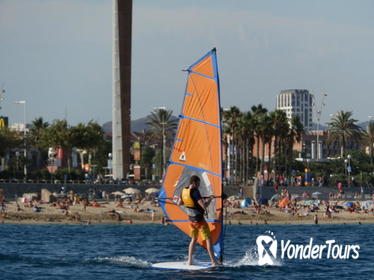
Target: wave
x=250, y=258
x=125, y=261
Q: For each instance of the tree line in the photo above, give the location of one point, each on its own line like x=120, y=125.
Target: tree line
x=248, y=134
x=86, y=139
x=255, y=142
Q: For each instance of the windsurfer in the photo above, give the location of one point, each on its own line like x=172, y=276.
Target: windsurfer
x=196, y=206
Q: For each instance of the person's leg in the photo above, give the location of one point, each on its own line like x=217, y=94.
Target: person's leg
x=191, y=249
x=210, y=252
x=205, y=235
x=194, y=234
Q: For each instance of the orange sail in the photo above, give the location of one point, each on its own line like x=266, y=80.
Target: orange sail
x=197, y=150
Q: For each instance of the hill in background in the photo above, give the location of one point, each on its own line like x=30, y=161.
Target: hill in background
x=138, y=125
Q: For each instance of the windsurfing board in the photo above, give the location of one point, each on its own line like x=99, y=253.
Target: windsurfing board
x=183, y=266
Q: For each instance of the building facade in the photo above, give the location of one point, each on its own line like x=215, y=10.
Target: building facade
x=297, y=102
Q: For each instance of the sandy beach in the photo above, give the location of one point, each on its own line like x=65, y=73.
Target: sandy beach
x=108, y=212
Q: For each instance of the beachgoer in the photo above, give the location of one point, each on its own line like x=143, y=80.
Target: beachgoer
x=18, y=207
x=113, y=213
x=340, y=188
x=85, y=204
x=276, y=186
x=328, y=211
x=153, y=216
x=196, y=207
x=241, y=192
x=2, y=211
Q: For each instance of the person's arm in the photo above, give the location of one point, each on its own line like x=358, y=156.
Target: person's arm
x=202, y=204
x=180, y=201
x=208, y=200
x=197, y=196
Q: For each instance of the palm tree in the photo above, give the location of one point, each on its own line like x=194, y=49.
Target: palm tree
x=163, y=126
x=258, y=113
x=295, y=132
x=245, y=134
x=368, y=139
x=280, y=129
x=343, y=128
x=231, y=119
x=266, y=136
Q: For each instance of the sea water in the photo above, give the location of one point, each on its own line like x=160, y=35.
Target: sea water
x=127, y=252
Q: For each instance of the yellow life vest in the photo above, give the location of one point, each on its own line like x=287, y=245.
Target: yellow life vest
x=187, y=199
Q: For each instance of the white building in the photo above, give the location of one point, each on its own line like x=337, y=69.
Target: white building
x=297, y=102
x=20, y=127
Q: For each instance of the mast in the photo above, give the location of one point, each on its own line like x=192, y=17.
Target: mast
x=222, y=170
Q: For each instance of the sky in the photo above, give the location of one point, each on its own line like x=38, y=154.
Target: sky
x=57, y=54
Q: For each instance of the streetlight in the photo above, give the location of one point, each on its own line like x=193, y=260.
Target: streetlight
x=110, y=164
x=345, y=167
x=163, y=123
x=349, y=169
x=24, y=134
x=370, y=143
x=2, y=92
x=319, y=113
x=163, y=149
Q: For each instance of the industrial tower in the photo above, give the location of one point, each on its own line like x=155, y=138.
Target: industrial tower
x=121, y=121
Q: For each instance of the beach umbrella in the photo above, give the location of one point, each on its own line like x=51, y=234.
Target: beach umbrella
x=152, y=190
x=311, y=202
x=367, y=204
x=131, y=191
x=245, y=203
x=306, y=195
x=316, y=194
x=295, y=196
x=262, y=201
x=118, y=193
x=349, y=204
x=275, y=197
x=30, y=195
x=284, y=202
